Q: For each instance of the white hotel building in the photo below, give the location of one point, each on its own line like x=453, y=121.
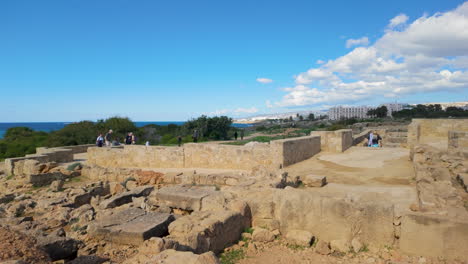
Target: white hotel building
x=360, y=112
x=345, y=112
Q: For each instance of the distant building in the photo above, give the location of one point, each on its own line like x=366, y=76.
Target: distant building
x=346, y=112
x=394, y=107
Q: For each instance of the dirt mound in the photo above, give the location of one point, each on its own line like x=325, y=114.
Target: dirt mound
x=17, y=246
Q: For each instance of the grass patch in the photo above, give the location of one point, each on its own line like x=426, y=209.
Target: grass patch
x=364, y=248
x=75, y=179
x=9, y=177
x=232, y=257
x=296, y=247
x=249, y=230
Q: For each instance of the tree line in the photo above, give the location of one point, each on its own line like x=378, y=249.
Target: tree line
x=19, y=141
x=430, y=111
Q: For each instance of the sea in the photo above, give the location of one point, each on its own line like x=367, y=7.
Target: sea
x=52, y=126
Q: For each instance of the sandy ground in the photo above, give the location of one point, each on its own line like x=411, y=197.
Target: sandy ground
x=360, y=166
x=280, y=254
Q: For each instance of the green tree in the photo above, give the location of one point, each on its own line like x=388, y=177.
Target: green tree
x=311, y=117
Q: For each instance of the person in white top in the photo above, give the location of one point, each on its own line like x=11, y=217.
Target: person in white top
x=99, y=140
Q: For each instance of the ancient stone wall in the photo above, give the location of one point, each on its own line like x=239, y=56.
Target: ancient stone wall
x=291, y=151
x=227, y=157
x=458, y=142
x=134, y=156
x=59, y=156
x=359, y=138
x=44, y=155
x=275, y=155
x=335, y=141
x=434, y=132
x=75, y=149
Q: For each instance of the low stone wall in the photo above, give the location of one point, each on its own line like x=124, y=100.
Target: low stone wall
x=44, y=155
x=291, y=151
x=277, y=154
x=335, y=141
x=75, y=149
x=434, y=132
x=458, y=142
x=359, y=138
x=59, y=156
x=227, y=157
x=433, y=236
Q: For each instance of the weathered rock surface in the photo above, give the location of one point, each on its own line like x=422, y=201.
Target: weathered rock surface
x=262, y=235
x=204, y=231
x=184, y=197
x=300, y=237
x=171, y=256
x=323, y=247
x=126, y=197
x=311, y=180
x=56, y=185
x=340, y=245
x=131, y=226
x=59, y=247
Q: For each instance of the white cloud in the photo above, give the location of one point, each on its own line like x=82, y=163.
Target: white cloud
x=269, y=104
x=364, y=41
x=320, y=62
x=264, y=80
x=426, y=55
x=398, y=20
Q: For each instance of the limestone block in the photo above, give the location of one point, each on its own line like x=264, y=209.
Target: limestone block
x=262, y=235
x=56, y=185
x=322, y=247
x=311, y=180
x=126, y=197
x=172, y=256
x=184, y=197
x=131, y=226
x=204, y=231
x=434, y=236
x=340, y=245
x=300, y=237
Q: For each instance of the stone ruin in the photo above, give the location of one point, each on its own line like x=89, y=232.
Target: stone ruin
x=152, y=204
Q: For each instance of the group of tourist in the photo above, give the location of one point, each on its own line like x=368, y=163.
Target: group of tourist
x=110, y=141
x=375, y=140
x=130, y=139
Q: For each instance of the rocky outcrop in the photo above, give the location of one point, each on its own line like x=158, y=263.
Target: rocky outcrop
x=131, y=226
x=204, y=231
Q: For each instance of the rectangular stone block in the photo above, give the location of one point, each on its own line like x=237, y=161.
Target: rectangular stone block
x=434, y=236
x=131, y=226
x=184, y=197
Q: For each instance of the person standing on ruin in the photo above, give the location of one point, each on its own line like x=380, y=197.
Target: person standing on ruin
x=179, y=140
x=371, y=137
x=128, y=139
x=235, y=135
x=242, y=134
x=99, y=141
x=108, y=138
x=195, y=135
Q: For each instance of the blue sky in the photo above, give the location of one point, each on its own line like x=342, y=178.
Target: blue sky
x=173, y=60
